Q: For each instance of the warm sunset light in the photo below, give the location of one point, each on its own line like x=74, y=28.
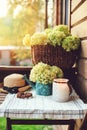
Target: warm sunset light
x=3, y=8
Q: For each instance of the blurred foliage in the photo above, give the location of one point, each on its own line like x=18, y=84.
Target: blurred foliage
x=22, y=17
x=22, y=53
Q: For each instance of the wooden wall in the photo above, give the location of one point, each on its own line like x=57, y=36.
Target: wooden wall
x=78, y=25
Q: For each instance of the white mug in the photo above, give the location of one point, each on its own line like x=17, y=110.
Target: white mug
x=61, y=89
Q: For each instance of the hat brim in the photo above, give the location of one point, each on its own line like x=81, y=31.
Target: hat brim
x=3, y=91
x=25, y=88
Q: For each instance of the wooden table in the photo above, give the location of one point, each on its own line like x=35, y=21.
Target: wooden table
x=42, y=110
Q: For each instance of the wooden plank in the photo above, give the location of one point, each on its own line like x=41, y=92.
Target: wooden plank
x=57, y=127
x=83, y=52
x=46, y=13
x=82, y=67
x=1, y=85
x=80, y=30
x=0, y=55
x=84, y=124
x=78, y=124
x=57, y=12
x=75, y=3
x=9, y=68
x=2, y=97
x=69, y=14
x=82, y=87
x=80, y=13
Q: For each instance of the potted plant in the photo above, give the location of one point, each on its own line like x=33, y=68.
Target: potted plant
x=42, y=75
x=55, y=46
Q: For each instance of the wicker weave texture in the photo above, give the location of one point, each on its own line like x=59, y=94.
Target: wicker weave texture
x=53, y=56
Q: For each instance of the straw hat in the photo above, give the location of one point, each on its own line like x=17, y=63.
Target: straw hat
x=14, y=83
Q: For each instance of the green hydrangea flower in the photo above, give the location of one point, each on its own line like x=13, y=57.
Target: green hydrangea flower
x=62, y=28
x=71, y=43
x=39, y=38
x=56, y=37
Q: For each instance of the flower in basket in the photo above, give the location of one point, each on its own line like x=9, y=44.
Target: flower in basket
x=61, y=36
x=54, y=46
x=57, y=34
x=62, y=28
x=55, y=37
x=39, y=38
x=71, y=43
x=43, y=74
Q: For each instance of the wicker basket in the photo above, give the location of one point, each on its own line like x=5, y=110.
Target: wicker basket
x=53, y=56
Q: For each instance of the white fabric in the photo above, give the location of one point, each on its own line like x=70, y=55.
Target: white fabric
x=42, y=107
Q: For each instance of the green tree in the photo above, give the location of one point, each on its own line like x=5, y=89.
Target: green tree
x=23, y=17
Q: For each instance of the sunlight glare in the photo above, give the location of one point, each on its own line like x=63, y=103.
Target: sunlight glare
x=17, y=10
x=3, y=8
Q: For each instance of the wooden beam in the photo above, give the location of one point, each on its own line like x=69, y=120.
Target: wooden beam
x=46, y=13
x=84, y=124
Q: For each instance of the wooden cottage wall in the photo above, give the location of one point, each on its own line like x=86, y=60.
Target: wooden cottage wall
x=78, y=25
